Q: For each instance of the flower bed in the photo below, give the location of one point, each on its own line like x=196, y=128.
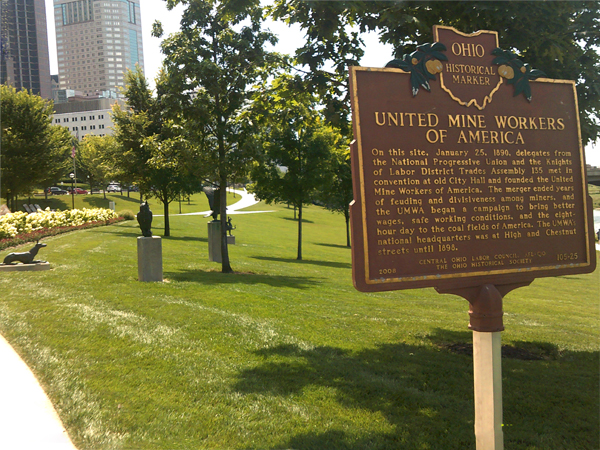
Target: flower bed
x=19, y=228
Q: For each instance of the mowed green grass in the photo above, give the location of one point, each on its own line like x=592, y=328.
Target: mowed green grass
x=286, y=354
x=131, y=202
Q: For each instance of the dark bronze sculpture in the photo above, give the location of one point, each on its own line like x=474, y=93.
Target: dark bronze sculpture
x=230, y=226
x=214, y=200
x=144, y=218
x=25, y=257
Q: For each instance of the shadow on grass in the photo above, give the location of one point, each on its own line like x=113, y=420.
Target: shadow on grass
x=425, y=395
x=214, y=278
x=461, y=342
x=137, y=233
x=52, y=203
x=304, y=261
x=185, y=238
x=333, y=245
x=296, y=220
x=100, y=202
x=119, y=232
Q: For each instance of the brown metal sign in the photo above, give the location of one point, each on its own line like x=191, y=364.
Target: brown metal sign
x=479, y=180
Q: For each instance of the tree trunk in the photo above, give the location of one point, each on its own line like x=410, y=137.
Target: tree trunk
x=225, y=265
x=166, y=214
x=299, y=257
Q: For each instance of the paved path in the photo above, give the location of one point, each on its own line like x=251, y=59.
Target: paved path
x=28, y=420
x=245, y=201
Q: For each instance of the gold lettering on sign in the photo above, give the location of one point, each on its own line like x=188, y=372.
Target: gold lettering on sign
x=471, y=50
x=457, y=189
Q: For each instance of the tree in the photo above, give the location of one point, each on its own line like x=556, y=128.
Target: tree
x=151, y=150
x=337, y=194
x=93, y=158
x=33, y=150
x=560, y=38
x=297, y=147
x=211, y=65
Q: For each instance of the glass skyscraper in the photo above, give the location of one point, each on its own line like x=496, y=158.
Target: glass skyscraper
x=24, y=59
x=96, y=42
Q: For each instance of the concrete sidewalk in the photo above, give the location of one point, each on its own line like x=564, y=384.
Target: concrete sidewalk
x=245, y=201
x=28, y=420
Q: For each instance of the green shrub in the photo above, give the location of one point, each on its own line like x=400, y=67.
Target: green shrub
x=127, y=214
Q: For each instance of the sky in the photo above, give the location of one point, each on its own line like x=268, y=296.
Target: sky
x=377, y=54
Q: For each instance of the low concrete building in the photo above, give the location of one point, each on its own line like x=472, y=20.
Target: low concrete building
x=82, y=115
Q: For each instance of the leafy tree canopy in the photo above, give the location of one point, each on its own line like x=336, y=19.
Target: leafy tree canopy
x=211, y=65
x=559, y=37
x=297, y=146
x=336, y=194
x=94, y=158
x=34, y=151
x=152, y=151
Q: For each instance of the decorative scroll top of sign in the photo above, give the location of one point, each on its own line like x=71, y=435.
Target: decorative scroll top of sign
x=473, y=71
x=423, y=64
x=516, y=72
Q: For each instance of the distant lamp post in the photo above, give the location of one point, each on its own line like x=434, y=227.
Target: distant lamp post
x=72, y=175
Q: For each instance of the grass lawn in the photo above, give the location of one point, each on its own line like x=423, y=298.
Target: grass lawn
x=594, y=192
x=286, y=354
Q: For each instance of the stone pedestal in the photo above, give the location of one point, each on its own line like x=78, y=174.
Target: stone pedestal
x=214, y=241
x=149, y=251
x=24, y=267
x=230, y=240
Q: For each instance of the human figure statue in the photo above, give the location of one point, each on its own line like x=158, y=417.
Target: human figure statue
x=144, y=218
x=214, y=200
x=229, y=225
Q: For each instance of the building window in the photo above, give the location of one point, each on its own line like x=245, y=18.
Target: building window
x=131, y=14
x=56, y=120
x=66, y=119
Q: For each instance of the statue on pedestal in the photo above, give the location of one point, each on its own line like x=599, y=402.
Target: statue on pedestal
x=214, y=200
x=144, y=218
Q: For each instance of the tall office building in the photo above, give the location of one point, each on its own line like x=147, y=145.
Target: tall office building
x=24, y=60
x=96, y=42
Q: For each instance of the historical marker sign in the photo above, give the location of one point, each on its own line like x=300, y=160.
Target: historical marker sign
x=479, y=180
